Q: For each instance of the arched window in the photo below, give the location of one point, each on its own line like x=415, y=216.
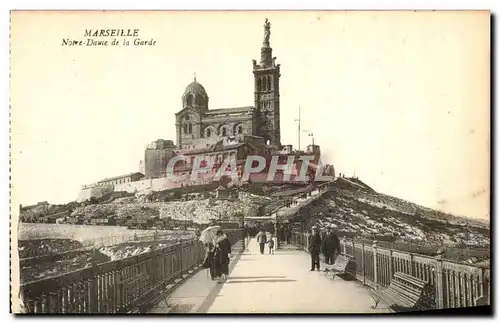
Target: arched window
x=189, y=100
x=208, y=132
x=259, y=85
x=199, y=100
x=190, y=128
x=264, y=84
x=223, y=132
x=185, y=128
x=269, y=83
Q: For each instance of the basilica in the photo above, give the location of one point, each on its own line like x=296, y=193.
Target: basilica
x=236, y=131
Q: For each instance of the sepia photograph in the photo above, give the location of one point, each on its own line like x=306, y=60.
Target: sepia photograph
x=250, y=162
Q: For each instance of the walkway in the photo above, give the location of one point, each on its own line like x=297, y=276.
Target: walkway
x=279, y=283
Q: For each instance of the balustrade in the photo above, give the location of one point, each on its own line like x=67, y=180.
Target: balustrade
x=455, y=284
x=117, y=286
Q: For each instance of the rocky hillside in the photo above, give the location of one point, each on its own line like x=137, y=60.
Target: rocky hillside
x=199, y=206
x=373, y=216
x=200, y=211
x=353, y=209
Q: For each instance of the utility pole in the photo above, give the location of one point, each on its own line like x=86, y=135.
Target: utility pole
x=298, y=148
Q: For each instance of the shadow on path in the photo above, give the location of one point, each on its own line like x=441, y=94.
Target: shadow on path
x=261, y=281
x=254, y=277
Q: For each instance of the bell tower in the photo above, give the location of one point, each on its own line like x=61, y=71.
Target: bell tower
x=267, y=91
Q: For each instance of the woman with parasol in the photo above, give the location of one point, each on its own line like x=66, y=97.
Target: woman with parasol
x=208, y=237
x=222, y=254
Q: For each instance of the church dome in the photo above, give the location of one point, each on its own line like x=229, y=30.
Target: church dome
x=195, y=96
x=195, y=88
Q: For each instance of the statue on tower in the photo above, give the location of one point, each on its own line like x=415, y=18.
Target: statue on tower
x=267, y=30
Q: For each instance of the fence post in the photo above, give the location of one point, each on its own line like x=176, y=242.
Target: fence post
x=411, y=265
x=439, y=281
x=484, y=285
x=92, y=290
x=391, y=269
x=180, y=257
x=363, y=262
x=375, y=275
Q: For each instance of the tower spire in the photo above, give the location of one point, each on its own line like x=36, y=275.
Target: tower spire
x=194, y=76
x=267, y=91
x=266, y=52
x=267, y=33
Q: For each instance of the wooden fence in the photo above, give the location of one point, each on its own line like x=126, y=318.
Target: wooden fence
x=117, y=286
x=455, y=284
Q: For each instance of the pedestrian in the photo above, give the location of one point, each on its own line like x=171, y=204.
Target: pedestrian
x=222, y=253
x=262, y=240
x=328, y=247
x=336, y=246
x=209, y=259
x=271, y=246
x=281, y=233
x=315, y=247
x=246, y=232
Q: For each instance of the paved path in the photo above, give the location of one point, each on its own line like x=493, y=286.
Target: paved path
x=282, y=283
x=279, y=283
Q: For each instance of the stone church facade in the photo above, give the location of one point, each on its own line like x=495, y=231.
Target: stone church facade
x=232, y=132
x=199, y=127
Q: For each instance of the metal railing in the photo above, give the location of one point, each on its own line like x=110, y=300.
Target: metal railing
x=455, y=284
x=117, y=286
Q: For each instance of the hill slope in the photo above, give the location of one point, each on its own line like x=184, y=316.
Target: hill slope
x=365, y=214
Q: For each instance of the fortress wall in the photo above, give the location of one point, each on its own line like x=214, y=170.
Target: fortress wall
x=132, y=187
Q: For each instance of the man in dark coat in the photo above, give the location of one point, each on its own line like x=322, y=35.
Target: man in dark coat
x=246, y=236
x=336, y=246
x=315, y=248
x=281, y=233
x=330, y=246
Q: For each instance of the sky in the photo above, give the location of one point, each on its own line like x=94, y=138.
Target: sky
x=401, y=99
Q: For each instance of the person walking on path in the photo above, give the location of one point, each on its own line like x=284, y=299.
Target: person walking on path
x=271, y=246
x=315, y=247
x=262, y=240
x=336, y=246
x=328, y=247
x=246, y=232
x=281, y=234
x=209, y=259
x=222, y=253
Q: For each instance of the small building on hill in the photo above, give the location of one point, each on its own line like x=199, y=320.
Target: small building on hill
x=132, y=177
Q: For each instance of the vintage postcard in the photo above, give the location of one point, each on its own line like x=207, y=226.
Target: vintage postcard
x=250, y=161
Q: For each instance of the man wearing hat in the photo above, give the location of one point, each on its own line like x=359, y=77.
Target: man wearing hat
x=315, y=247
x=330, y=246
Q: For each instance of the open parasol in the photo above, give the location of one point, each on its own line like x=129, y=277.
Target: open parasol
x=208, y=235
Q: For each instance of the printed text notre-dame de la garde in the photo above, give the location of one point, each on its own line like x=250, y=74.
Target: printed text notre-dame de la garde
x=109, y=37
